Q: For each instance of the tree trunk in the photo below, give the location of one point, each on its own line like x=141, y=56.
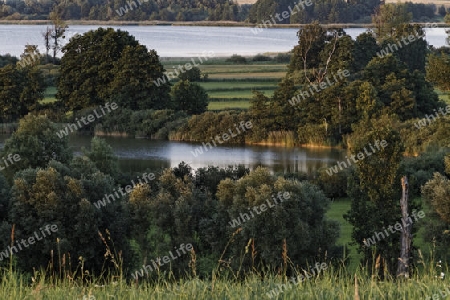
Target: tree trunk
x=405, y=238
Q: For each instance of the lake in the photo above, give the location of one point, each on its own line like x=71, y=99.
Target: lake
x=186, y=41
x=139, y=154
x=191, y=41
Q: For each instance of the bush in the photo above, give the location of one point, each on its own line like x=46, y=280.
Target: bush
x=261, y=57
x=192, y=75
x=283, y=58
x=237, y=59
x=334, y=186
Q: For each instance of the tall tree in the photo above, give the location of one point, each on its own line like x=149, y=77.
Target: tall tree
x=133, y=85
x=23, y=87
x=375, y=192
x=58, y=29
x=438, y=70
x=189, y=97
x=105, y=64
x=389, y=18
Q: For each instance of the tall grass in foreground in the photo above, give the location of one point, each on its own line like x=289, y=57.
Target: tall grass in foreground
x=332, y=283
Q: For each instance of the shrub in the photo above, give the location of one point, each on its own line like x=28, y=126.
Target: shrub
x=237, y=59
x=260, y=57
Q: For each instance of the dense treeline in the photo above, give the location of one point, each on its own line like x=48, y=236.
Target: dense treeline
x=330, y=11
x=325, y=11
x=165, y=10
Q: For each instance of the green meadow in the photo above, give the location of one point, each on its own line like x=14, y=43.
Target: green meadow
x=230, y=86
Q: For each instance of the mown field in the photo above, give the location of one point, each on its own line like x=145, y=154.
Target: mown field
x=230, y=86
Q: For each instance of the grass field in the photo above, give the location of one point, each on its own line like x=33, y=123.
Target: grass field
x=336, y=212
x=443, y=96
x=230, y=86
x=49, y=95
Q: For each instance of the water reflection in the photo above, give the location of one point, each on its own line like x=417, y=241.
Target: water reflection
x=139, y=154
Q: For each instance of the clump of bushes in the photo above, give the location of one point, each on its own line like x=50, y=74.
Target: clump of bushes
x=237, y=59
x=155, y=124
x=260, y=57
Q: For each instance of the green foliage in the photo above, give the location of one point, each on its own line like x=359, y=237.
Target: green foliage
x=401, y=92
x=438, y=70
x=22, y=88
x=189, y=97
x=260, y=57
x=332, y=186
x=389, y=18
x=7, y=59
x=298, y=215
x=237, y=59
x=156, y=124
x=102, y=155
x=420, y=169
x=436, y=193
x=111, y=65
x=204, y=127
x=37, y=143
x=133, y=86
x=194, y=74
x=46, y=198
x=365, y=48
x=375, y=190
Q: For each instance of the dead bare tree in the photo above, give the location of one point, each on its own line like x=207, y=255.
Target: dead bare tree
x=405, y=238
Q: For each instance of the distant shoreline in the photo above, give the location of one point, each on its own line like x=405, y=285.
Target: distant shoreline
x=169, y=23
x=164, y=23
x=197, y=23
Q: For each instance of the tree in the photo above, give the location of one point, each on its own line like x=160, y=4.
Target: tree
x=102, y=155
x=442, y=11
x=438, y=70
x=30, y=56
x=46, y=35
x=57, y=32
x=36, y=142
x=436, y=194
x=375, y=191
x=400, y=91
x=189, y=97
x=133, y=86
x=22, y=89
x=105, y=64
x=388, y=19
x=365, y=48
x=192, y=75
x=311, y=41
x=299, y=214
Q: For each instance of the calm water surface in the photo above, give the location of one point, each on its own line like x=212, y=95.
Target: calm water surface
x=186, y=41
x=138, y=154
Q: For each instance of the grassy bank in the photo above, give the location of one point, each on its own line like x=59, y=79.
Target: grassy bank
x=332, y=283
